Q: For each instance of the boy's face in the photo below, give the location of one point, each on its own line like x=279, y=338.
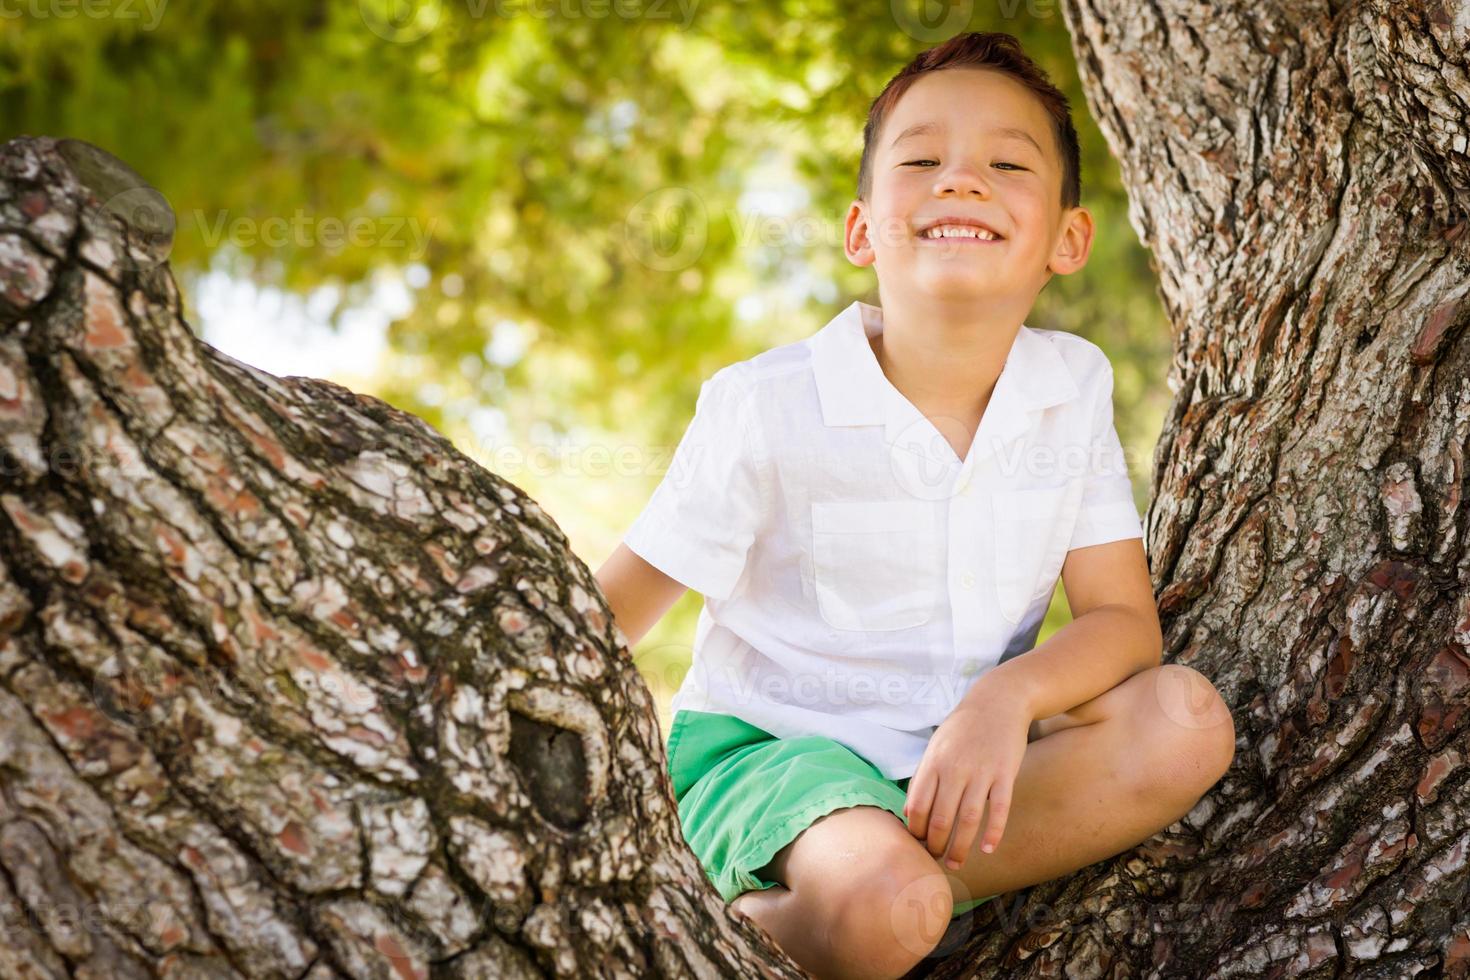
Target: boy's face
x=962, y=164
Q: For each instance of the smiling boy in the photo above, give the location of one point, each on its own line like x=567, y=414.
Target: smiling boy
x=877, y=516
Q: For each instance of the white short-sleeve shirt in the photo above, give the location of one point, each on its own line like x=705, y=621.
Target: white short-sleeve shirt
x=858, y=576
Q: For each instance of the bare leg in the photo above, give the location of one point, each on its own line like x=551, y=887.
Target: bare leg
x=1102, y=778
x=1093, y=782
x=802, y=935
x=795, y=929
x=879, y=905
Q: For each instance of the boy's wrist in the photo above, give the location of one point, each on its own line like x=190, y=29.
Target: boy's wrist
x=1003, y=681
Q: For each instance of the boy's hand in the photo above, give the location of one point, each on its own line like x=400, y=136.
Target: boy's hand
x=973, y=756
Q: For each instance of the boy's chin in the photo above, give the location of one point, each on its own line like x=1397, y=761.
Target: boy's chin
x=961, y=285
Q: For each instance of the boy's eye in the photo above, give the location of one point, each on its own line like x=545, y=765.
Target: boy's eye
x=913, y=163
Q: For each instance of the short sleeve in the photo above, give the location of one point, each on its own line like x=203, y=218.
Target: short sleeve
x=1107, y=511
x=701, y=520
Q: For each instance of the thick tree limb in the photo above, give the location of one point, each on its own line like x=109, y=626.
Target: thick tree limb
x=288, y=686
x=1300, y=173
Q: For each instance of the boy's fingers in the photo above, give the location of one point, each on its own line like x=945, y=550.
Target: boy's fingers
x=920, y=798
x=942, y=817
x=967, y=823
x=1000, y=807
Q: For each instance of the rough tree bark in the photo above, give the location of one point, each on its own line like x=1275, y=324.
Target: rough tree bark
x=1299, y=173
x=288, y=686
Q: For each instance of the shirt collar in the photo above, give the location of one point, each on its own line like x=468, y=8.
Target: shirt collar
x=854, y=390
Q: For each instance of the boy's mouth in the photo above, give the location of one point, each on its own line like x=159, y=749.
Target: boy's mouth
x=959, y=231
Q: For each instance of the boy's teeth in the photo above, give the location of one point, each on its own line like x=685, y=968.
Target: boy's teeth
x=959, y=231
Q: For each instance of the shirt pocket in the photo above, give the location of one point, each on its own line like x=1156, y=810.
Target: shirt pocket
x=875, y=564
x=1032, y=528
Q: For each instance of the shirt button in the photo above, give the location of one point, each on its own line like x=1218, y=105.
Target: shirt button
x=967, y=580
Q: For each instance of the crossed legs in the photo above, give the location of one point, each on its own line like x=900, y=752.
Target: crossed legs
x=861, y=897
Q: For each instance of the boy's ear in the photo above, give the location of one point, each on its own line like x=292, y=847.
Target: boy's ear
x=855, y=240
x=1075, y=243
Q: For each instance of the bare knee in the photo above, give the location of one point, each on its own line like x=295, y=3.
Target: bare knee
x=1187, y=736
x=887, y=925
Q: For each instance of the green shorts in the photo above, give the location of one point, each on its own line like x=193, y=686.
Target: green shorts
x=744, y=793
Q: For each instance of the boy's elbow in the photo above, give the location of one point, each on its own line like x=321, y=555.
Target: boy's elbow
x=1148, y=642
x=1155, y=634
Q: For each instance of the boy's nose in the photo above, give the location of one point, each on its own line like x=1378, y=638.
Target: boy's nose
x=963, y=180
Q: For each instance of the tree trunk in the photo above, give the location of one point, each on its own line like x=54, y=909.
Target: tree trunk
x=1299, y=172
x=288, y=686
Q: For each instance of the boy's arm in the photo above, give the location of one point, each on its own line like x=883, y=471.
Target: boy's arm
x=637, y=593
x=1115, y=631
x=1114, y=634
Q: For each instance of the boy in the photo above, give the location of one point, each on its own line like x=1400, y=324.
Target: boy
x=877, y=516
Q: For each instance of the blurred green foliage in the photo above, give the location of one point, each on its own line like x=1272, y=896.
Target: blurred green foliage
x=650, y=189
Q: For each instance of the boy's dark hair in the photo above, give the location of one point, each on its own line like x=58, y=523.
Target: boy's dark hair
x=981, y=49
